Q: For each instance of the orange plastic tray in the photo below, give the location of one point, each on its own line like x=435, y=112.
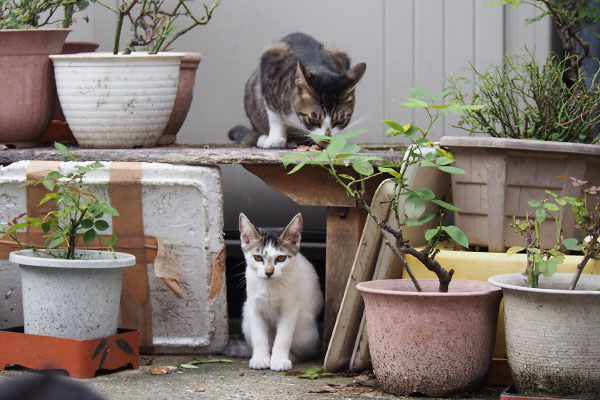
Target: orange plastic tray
x=79, y=358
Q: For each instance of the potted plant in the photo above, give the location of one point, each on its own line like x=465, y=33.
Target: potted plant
x=146, y=81
x=551, y=319
x=415, y=328
x=27, y=81
x=540, y=120
x=69, y=292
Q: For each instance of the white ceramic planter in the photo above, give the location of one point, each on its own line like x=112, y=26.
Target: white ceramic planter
x=75, y=299
x=117, y=101
x=552, y=334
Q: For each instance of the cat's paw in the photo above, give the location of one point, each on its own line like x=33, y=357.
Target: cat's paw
x=280, y=364
x=259, y=362
x=269, y=142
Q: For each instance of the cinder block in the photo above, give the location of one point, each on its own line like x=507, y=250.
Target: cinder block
x=182, y=210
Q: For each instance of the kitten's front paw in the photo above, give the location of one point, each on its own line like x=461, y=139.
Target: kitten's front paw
x=280, y=364
x=267, y=142
x=259, y=362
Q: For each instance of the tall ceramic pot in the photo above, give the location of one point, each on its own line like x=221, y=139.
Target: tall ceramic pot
x=117, y=101
x=183, y=99
x=27, y=89
x=75, y=299
x=552, y=335
x=429, y=342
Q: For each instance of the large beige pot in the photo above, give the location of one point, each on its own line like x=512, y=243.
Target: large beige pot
x=27, y=83
x=117, y=101
x=431, y=343
x=552, y=335
x=502, y=175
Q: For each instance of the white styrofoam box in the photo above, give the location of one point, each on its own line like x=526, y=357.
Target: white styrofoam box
x=182, y=208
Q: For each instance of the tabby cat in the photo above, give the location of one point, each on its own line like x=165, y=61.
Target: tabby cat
x=284, y=299
x=300, y=87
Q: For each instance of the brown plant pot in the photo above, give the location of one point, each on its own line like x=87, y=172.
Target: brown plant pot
x=183, y=98
x=502, y=175
x=429, y=342
x=27, y=84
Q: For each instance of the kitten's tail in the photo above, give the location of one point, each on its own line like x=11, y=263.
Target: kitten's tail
x=243, y=135
x=237, y=348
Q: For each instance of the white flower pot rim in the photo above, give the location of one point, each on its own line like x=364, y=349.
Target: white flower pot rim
x=374, y=287
x=106, y=259
x=507, y=281
x=120, y=56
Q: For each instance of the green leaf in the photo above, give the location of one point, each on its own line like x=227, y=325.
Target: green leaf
x=48, y=184
x=61, y=148
x=348, y=150
x=54, y=175
x=514, y=250
x=351, y=134
x=443, y=161
x=551, y=207
x=89, y=236
x=445, y=205
x=426, y=194
x=45, y=227
x=297, y=167
x=87, y=223
x=430, y=233
x=337, y=144
x=540, y=214
x=414, y=207
x=293, y=158
x=111, y=211
x=426, y=218
x=396, y=126
x=457, y=235
x=572, y=244
x=452, y=170
x=101, y=225
x=363, y=167
x=57, y=241
x=534, y=203
x=414, y=103
x=189, y=366
x=390, y=171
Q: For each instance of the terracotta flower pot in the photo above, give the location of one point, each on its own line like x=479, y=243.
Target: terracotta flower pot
x=431, y=343
x=27, y=84
x=183, y=99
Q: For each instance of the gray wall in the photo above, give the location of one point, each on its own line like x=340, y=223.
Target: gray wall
x=405, y=43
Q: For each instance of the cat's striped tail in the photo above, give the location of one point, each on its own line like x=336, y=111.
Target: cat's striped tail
x=243, y=135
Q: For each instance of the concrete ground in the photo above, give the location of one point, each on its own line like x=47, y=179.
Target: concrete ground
x=164, y=377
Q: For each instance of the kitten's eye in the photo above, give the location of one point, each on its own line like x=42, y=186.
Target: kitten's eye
x=280, y=259
x=258, y=258
x=314, y=115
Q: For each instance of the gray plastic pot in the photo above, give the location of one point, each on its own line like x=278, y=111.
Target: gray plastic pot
x=552, y=334
x=74, y=299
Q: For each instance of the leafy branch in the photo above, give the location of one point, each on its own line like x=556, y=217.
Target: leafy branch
x=409, y=206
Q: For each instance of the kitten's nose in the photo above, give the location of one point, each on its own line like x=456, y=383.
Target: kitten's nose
x=328, y=132
x=268, y=274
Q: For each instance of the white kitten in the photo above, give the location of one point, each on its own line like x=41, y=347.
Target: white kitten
x=283, y=296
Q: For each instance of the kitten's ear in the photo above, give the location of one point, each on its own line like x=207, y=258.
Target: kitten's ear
x=248, y=232
x=293, y=231
x=354, y=76
x=303, y=77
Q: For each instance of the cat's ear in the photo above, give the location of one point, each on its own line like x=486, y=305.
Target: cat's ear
x=354, y=76
x=303, y=78
x=248, y=232
x=293, y=232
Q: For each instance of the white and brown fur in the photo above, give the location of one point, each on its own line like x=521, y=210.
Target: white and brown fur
x=284, y=299
x=299, y=87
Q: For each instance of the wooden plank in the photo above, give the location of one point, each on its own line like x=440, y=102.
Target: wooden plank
x=344, y=331
x=178, y=154
x=311, y=186
x=344, y=228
